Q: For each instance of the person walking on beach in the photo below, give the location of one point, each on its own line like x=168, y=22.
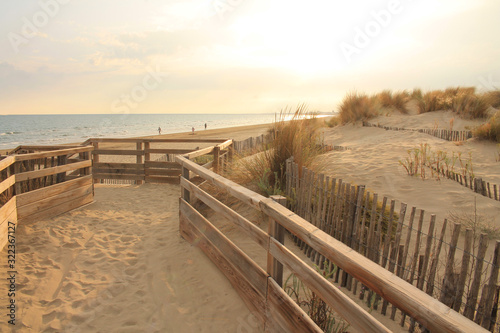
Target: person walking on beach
x=192, y=129
x=205, y=126
x=159, y=130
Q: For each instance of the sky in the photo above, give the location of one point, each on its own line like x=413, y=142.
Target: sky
x=236, y=56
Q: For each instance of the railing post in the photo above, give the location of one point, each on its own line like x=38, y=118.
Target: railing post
x=139, y=159
x=275, y=230
x=147, y=158
x=216, y=159
x=95, y=159
x=186, y=195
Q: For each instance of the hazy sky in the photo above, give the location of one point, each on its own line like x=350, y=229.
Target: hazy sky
x=232, y=56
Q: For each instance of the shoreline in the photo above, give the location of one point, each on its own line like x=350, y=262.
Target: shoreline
x=235, y=133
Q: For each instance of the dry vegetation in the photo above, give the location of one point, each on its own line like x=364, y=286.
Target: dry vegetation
x=464, y=101
x=298, y=137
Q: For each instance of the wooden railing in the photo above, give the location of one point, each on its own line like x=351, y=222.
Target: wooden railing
x=144, y=160
x=42, y=184
x=261, y=289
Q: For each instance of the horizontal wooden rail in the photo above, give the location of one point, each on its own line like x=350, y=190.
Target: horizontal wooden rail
x=6, y=162
x=159, y=164
x=7, y=183
x=118, y=152
x=105, y=165
x=200, y=152
x=52, y=171
x=225, y=144
x=70, y=151
x=167, y=151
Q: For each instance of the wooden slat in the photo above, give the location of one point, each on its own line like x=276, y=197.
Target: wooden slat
x=32, y=196
x=101, y=165
x=163, y=180
x=249, y=294
x=25, y=157
x=163, y=172
x=52, y=171
x=120, y=171
x=118, y=152
x=284, y=315
x=7, y=183
x=254, y=232
x=427, y=310
x=199, y=152
x=47, y=202
x=60, y=209
x=359, y=319
x=115, y=176
x=160, y=164
x=168, y=151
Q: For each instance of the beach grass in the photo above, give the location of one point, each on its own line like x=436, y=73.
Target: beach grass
x=358, y=106
x=296, y=134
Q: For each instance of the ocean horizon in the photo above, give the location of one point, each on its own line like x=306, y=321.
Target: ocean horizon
x=46, y=129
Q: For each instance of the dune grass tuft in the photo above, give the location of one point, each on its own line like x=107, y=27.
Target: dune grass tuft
x=489, y=130
x=295, y=134
x=357, y=106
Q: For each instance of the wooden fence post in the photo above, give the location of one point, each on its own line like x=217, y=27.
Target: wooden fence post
x=275, y=230
x=147, y=158
x=95, y=158
x=139, y=159
x=216, y=159
x=186, y=195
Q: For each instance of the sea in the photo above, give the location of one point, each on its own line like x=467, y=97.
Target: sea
x=18, y=130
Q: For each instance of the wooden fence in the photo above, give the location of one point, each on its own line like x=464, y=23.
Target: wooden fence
x=434, y=262
x=261, y=289
x=145, y=160
x=449, y=135
x=42, y=182
x=252, y=143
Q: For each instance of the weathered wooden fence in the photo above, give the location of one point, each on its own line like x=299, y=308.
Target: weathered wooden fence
x=144, y=160
x=260, y=289
x=445, y=134
x=252, y=143
x=424, y=256
x=37, y=184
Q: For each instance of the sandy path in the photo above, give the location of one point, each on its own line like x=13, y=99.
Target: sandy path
x=119, y=265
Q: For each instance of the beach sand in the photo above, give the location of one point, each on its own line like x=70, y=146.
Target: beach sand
x=120, y=265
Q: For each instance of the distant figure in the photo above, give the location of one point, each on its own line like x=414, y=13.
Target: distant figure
x=205, y=126
x=192, y=129
x=159, y=130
